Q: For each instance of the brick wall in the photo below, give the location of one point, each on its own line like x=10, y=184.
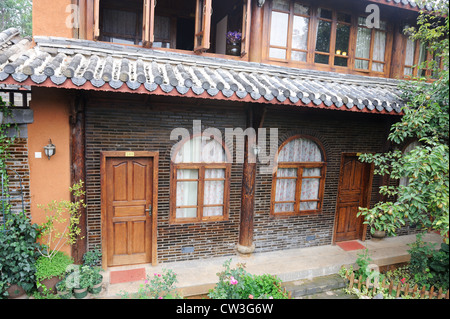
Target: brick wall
x=339, y=132
x=124, y=126
x=18, y=161
x=128, y=126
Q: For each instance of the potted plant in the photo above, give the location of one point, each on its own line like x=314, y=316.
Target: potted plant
x=96, y=281
x=63, y=215
x=63, y=290
x=49, y=271
x=234, y=43
x=83, y=282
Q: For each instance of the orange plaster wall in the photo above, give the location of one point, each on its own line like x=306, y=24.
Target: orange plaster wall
x=49, y=18
x=49, y=179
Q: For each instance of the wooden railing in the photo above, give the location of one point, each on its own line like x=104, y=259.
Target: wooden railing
x=400, y=289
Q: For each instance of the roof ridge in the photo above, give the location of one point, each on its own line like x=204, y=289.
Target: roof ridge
x=7, y=34
x=73, y=46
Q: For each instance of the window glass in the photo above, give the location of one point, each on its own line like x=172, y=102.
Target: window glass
x=300, y=33
x=298, y=178
x=282, y=5
x=342, y=44
x=200, y=182
x=279, y=28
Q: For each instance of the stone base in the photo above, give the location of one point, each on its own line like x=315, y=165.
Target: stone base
x=245, y=250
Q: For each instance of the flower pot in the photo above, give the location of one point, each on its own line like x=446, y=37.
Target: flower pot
x=80, y=293
x=379, y=234
x=234, y=49
x=50, y=284
x=65, y=294
x=97, y=287
x=15, y=291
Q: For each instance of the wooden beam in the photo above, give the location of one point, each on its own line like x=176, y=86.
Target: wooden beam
x=246, y=245
x=398, y=52
x=79, y=170
x=256, y=30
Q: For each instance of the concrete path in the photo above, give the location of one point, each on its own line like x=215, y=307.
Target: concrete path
x=198, y=276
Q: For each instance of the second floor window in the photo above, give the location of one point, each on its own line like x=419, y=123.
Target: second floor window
x=302, y=32
x=194, y=25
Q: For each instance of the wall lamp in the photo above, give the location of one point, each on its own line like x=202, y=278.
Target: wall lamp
x=49, y=149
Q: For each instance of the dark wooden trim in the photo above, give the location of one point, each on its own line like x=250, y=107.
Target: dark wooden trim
x=368, y=195
x=78, y=169
x=201, y=167
x=104, y=239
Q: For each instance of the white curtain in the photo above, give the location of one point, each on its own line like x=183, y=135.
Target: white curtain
x=379, y=50
x=214, y=192
x=200, y=150
x=409, y=57
x=298, y=150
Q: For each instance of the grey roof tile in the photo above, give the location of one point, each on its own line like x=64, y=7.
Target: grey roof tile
x=82, y=61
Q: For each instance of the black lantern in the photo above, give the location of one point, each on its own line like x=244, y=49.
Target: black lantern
x=50, y=149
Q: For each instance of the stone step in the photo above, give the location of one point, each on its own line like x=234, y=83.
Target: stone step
x=317, y=285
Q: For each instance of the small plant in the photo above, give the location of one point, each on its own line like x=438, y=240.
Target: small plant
x=363, y=262
x=160, y=286
x=237, y=283
x=55, y=216
x=92, y=258
x=55, y=266
x=234, y=37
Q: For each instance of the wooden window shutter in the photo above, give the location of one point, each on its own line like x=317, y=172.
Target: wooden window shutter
x=246, y=21
x=202, y=25
x=148, y=23
x=96, y=19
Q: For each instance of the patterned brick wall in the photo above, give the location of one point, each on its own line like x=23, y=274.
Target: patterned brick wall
x=18, y=162
x=126, y=127
x=339, y=132
x=129, y=126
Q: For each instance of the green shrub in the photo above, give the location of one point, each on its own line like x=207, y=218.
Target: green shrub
x=18, y=253
x=160, y=286
x=49, y=267
x=429, y=267
x=237, y=283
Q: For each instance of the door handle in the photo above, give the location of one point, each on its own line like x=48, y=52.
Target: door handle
x=149, y=210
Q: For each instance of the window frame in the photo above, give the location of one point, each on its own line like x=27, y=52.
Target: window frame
x=299, y=178
x=313, y=24
x=202, y=34
x=201, y=167
x=371, y=59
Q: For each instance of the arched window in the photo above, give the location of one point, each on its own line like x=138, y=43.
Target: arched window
x=200, y=181
x=299, y=179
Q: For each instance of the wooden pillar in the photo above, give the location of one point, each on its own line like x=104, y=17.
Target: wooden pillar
x=398, y=52
x=256, y=29
x=246, y=245
x=79, y=170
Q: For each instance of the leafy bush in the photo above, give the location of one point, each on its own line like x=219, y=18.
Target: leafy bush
x=92, y=258
x=18, y=253
x=161, y=286
x=428, y=266
x=237, y=283
x=49, y=267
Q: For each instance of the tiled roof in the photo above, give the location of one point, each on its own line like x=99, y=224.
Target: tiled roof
x=73, y=63
x=408, y=4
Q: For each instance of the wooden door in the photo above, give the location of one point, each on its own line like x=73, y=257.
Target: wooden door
x=129, y=189
x=355, y=183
